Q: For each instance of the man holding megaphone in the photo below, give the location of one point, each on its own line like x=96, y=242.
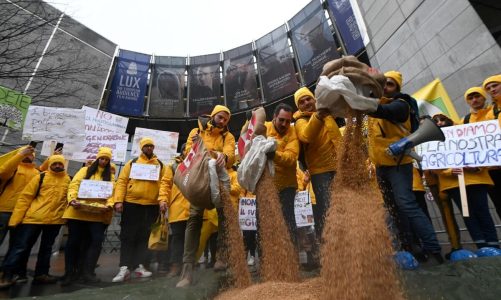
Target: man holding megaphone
x=392, y=122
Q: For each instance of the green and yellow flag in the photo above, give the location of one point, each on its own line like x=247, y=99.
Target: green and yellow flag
x=433, y=99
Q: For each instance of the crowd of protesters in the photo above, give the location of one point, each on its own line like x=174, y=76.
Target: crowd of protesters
x=39, y=201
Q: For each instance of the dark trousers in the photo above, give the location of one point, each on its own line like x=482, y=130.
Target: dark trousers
x=250, y=241
x=479, y=223
x=321, y=187
x=85, y=240
x=174, y=254
x=4, y=225
x=25, y=236
x=495, y=190
x=287, y=196
x=134, y=234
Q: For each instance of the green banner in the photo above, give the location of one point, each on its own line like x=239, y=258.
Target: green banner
x=13, y=107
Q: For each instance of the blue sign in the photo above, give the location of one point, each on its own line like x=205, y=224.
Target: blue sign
x=347, y=25
x=128, y=87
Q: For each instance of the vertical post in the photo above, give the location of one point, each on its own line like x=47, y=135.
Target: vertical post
x=462, y=192
x=149, y=86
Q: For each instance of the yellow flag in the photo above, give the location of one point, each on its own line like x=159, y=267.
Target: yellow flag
x=433, y=99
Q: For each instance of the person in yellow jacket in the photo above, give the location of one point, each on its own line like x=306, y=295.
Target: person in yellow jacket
x=15, y=174
x=319, y=136
x=38, y=211
x=86, y=229
x=285, y=160
x=137, y=201
x=213, y=130
x=493, y=87
x=178, y=211
x=390, y=123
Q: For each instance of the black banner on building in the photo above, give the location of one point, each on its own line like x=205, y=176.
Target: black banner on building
x=204, y=84
x=240, y=84
x=167, y=87
x=312, y=39
x=276, y=65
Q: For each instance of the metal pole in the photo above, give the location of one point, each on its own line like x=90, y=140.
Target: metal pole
x=107, y=77
x=255, y=50
x=149, y=87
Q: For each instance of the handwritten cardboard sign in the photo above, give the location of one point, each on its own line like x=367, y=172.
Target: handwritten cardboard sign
x=303, y=209
x=247, y=213
x=53, y=123
x=469, y=145
x=95, y=189
x=145, y=172
x=102, y=121
x=165, y=142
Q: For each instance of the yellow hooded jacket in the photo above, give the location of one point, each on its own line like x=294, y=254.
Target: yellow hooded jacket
x=302, y=186
x=382, y=133
x=76, y=214
x=484, y=114
x=143, y=192
x=286, y=156
x=321, y=138
x=179, y=207
x=25, y=172
x=235, y=188
x=48, y=207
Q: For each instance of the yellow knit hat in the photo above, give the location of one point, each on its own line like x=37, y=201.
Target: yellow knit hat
x=494, y=78
x=104, y=152
x=304, y=91
x=220, y=108
x=395, y=75
x=475, y=89
x=146, y=141
x=58, y=158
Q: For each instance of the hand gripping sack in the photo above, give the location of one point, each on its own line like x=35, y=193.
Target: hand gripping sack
x=192, y=176
x=159, y=235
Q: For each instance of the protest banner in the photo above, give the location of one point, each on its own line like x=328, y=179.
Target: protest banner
x=145, y=172
x=469, y=145
x=53, y=123
x=117, y=142
x=247, y=213
x=95, y=189
x=165, y=142
x=98, y=121
x=13, y=107
x=303, y=209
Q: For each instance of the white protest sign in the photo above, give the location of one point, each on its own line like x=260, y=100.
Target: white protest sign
x=95, y=189
x=247, y=213
x=165, y=142
x=99, y=121
x=69, y=149
x=303, y=209
x=53, y=123
x=94, y=140
x=145, y=172
x=469, y=145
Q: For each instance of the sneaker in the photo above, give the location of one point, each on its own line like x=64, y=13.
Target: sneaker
x=44, y=279
x=201, y=260
x=20, y=279
x=141, y=272
x=123, y=274
x=251, y=261
x=220, y=266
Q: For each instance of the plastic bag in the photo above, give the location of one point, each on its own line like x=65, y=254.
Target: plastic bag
x=252, y=166
x=217, y=175
x=159, y=235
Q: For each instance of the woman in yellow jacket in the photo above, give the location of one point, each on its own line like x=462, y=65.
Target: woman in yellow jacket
x=86, y=229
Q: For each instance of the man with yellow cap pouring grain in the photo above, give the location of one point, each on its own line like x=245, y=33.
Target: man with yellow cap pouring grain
x=214, y=133
x=38, y=211
x=492, y=85
x=136, y=197
x=319, y=135
x=395, y=118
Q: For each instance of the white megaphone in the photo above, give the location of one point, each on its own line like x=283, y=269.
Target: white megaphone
x=428, y=131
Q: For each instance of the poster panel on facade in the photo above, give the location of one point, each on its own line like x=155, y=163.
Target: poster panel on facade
x=240, y=84
x=312, y=39
x=129, y=84
x=167, y=87
x=204, y=84
x=276, y=65
x=165, y=142
x=347, y=25
x=13, y=107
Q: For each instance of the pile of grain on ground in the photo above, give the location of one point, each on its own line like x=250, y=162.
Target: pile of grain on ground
x=279, y=259
x=235, y=245
x=307, y=290
x=356, y=253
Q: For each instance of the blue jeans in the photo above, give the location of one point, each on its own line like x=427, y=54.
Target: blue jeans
x=396, y=185
x=479, y=223
x=26, y=236
x=4, y=225
x=321, y=187
x=287, y=197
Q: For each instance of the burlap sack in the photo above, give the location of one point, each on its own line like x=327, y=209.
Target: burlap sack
x=252, y=128
x=192, y=176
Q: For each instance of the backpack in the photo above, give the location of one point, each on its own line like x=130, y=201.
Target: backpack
x=40, y=181
x=496, y=114
x=413, y=110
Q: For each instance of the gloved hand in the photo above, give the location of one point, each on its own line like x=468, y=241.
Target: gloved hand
x=270, y=155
